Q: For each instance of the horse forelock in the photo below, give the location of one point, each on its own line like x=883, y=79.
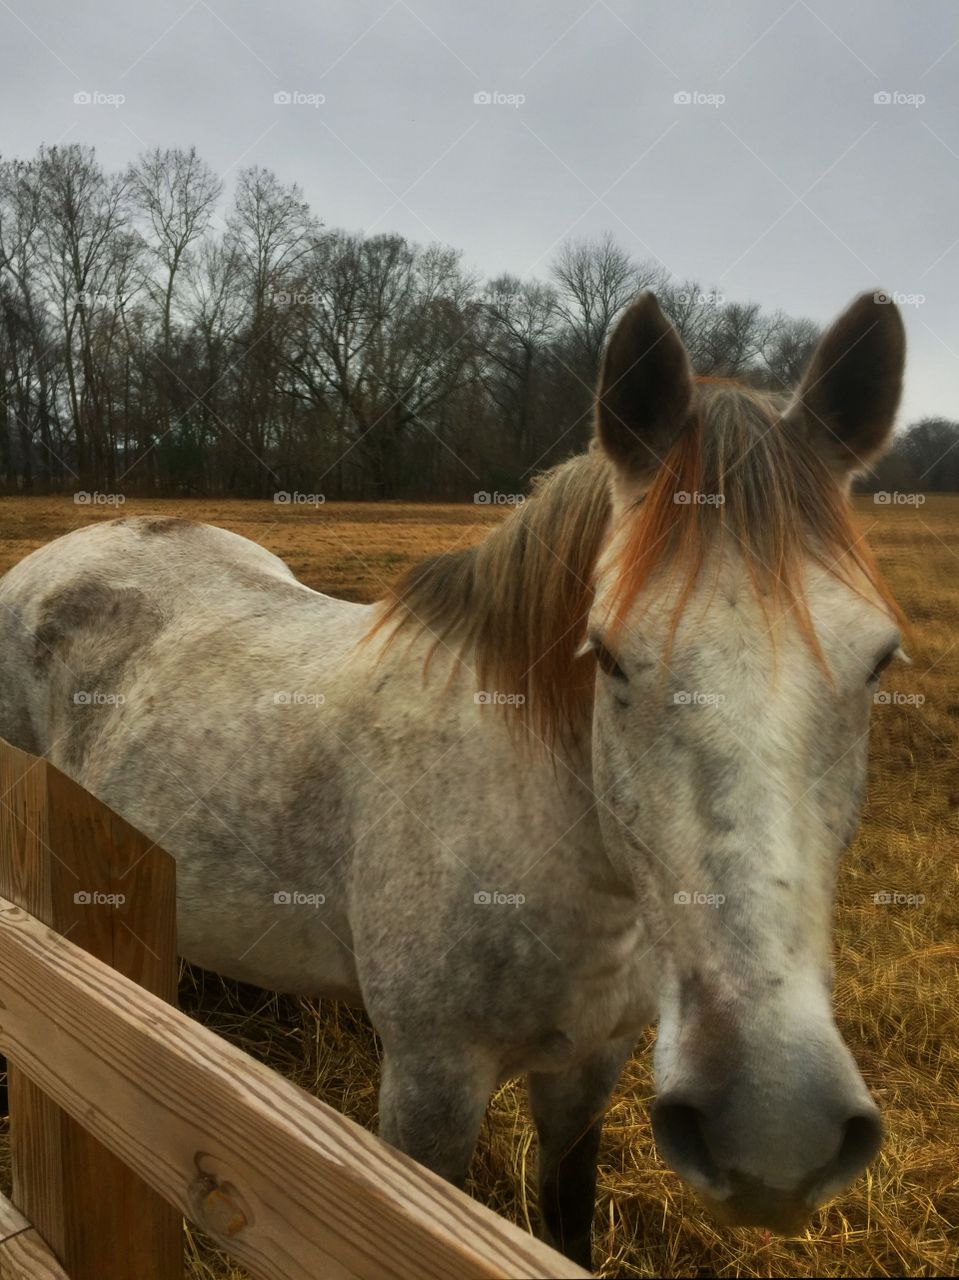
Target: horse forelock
x=513, y=608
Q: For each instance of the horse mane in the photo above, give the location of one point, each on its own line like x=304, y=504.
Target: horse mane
x=519, y=599
x=514, y=607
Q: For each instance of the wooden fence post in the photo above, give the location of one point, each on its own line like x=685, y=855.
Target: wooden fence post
x=88, y=875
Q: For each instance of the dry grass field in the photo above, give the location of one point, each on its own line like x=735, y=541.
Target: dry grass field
x=897, y=995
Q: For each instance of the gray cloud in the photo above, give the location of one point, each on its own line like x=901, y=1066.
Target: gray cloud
x=797, y=189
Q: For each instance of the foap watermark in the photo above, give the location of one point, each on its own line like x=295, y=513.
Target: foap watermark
x=84, y=498
x=92, y=298
x=288, y=498
x=294, y=698
x=893, y=498
x=94, y=898
x=898, y=98
x=711, y=299
x=496, y=98
x=488, y=498
x=496, y=698
x=287, y=298
x=899, y=299
x=493, y=898
x=696, y=98
x=891, y=898
x=894, y=698
x=294, y=898
x=693, y=498
x=694, y=698
x=297, y=98
x=97, y=698
x=97, y=98
x=695, y=898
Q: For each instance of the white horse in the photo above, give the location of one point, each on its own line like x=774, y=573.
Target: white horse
x=594, y=772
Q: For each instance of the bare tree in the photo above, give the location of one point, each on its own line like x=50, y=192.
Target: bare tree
x=85, y=251
x=786, y=349
x=175, y=193
x=26, y=334
x=595, y=279
x=270, y=232
x=143, y=343
x=522, y=321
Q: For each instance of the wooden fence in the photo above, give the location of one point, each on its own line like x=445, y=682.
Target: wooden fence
x=126, y=1116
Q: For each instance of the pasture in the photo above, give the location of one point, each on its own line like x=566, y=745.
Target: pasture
x=896, y=959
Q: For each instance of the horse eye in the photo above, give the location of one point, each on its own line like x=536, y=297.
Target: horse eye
x=881, y=665
x=608, y=664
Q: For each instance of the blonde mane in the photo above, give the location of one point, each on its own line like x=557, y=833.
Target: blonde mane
x=515, y=606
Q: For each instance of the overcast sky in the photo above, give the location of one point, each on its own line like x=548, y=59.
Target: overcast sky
x=782, y=180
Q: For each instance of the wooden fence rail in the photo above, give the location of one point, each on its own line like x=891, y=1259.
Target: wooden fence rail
x=106, y=1074
x=23, y=1254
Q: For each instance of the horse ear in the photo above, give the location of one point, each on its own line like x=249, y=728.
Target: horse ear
x=645, y=389
x=847, y=400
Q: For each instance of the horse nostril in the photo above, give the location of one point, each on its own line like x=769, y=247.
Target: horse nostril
x=678, y=1130
x=681, y=1129
x=862, y=1138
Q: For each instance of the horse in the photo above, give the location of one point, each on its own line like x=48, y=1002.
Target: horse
x=592, y=773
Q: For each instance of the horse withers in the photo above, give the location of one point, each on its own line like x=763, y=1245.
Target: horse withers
x=591, y=773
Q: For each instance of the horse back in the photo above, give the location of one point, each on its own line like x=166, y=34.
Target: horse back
x=80, y=616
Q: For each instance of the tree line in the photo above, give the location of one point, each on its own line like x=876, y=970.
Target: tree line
x=150, y=346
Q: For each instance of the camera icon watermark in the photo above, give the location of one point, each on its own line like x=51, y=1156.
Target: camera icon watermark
x=294, y=898
x=295, y=698
x=283, y=298
x=96, y=698
x=696, y=98
x=494, y=98
x=297, y=98
x=496, y=698
x=493, y=898
x=293, y=498
x=488, y=498
x=693, y=498
x=694, y=898
x=711, y=299
x=96, y=98
x=895, y=698
x=84, y=498
x=92, y=298
x=93, y=898
x=899, y=299
x=897, y=98
x=893, y=498
x=694, y=698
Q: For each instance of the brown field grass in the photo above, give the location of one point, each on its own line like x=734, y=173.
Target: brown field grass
x=896, y=966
